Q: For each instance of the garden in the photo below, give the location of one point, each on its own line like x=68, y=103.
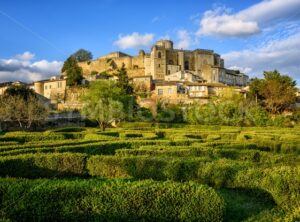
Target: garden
x=151, y=172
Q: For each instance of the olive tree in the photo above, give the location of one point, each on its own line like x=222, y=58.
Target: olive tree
x=103, y=103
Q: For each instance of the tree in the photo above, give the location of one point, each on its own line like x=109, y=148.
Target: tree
x=102, y=103
x=123, y=80
x=22, y=110
x=73, y=72
x=277, y=92
x=19, y=90
x=82, y=55
x=3, y=114
x=256, y=86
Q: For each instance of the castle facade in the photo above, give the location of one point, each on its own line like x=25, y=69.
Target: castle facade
x=164, y=62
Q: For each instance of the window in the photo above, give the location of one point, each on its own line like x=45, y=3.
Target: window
x=46, y=87
x=50, y=87
x=169, y=72
x=186, y=65
x=170, y=91
x=171, y=62
x=160, y=92
x=158, y=65
x=159, y=55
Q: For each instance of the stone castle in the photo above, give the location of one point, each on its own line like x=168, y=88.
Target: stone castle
x=164, y=61
x=172, y=75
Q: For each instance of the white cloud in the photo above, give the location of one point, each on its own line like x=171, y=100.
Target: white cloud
x=21, y=68
x=184, y=39
x=246, y=70
x=134, y=40
x=221, y=22
x=26, y=56
x=282, y=54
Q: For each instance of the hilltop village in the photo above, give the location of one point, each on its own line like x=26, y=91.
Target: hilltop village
x=172, y=75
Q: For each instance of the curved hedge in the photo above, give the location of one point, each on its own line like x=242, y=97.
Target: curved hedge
x=43, y=165
x=282, y=182
x=94, y=200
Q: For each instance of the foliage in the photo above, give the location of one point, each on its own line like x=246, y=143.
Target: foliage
x=256, y=116
x=102, y=103
x=25, y=109
x=73, y=72
x=169, y=113
x=277, y=92
x=96, y=200
x=123, y=80
x=143, y=114
x=19, y=90
x=43, y=165
x=82, y=55
x=260, y=165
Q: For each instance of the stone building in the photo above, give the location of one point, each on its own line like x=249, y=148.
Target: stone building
x=53, y=88
x=165, y=63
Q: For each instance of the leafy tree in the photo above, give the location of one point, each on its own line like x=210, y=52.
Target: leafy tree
x=3, y=114
x=169, y=113
x=255, y=88
x=23, y=110
x=82, y=55
x=102, y=103
x=73, y=72
x=277, y=92
x=19, y=90
x=123, y=80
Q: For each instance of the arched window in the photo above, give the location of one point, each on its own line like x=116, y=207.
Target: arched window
x=186, y=65
x=171, y=62
x=159, y=55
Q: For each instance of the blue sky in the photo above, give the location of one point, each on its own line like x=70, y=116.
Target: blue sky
x=37, y=36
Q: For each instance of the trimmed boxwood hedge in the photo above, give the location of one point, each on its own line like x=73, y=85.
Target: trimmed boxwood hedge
x=94, y=200
x=43, y=165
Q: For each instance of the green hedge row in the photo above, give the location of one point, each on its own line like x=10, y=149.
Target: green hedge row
x=282, y=182
x=93, y=147
x=41, y=165
x=251, y=155
x=44, y=144
x=39, y=136
x=94, y=200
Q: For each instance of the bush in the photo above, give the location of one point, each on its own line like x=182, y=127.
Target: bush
x=70, y=130
x=256, y=116
x=43, y=165
x=94, y=200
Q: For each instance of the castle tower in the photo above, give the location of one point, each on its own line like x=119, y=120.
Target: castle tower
x=167, y=44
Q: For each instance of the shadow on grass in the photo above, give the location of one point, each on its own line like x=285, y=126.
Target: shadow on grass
x=245, y=203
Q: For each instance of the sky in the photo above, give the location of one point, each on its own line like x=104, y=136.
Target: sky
x=36, y=36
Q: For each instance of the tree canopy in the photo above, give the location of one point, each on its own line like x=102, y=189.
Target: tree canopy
x=82, y=55
x=73, y=72
x=276, y=92
x=123, y=81
x=102, y=103
x=20, y=104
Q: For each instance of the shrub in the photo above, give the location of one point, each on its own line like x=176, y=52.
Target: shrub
x=43, y=165
x=70, y=130
x=213, y=137
x=96, y=200
x=256, y=116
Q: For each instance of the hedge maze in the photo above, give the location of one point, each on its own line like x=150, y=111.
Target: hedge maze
x=147, y=172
